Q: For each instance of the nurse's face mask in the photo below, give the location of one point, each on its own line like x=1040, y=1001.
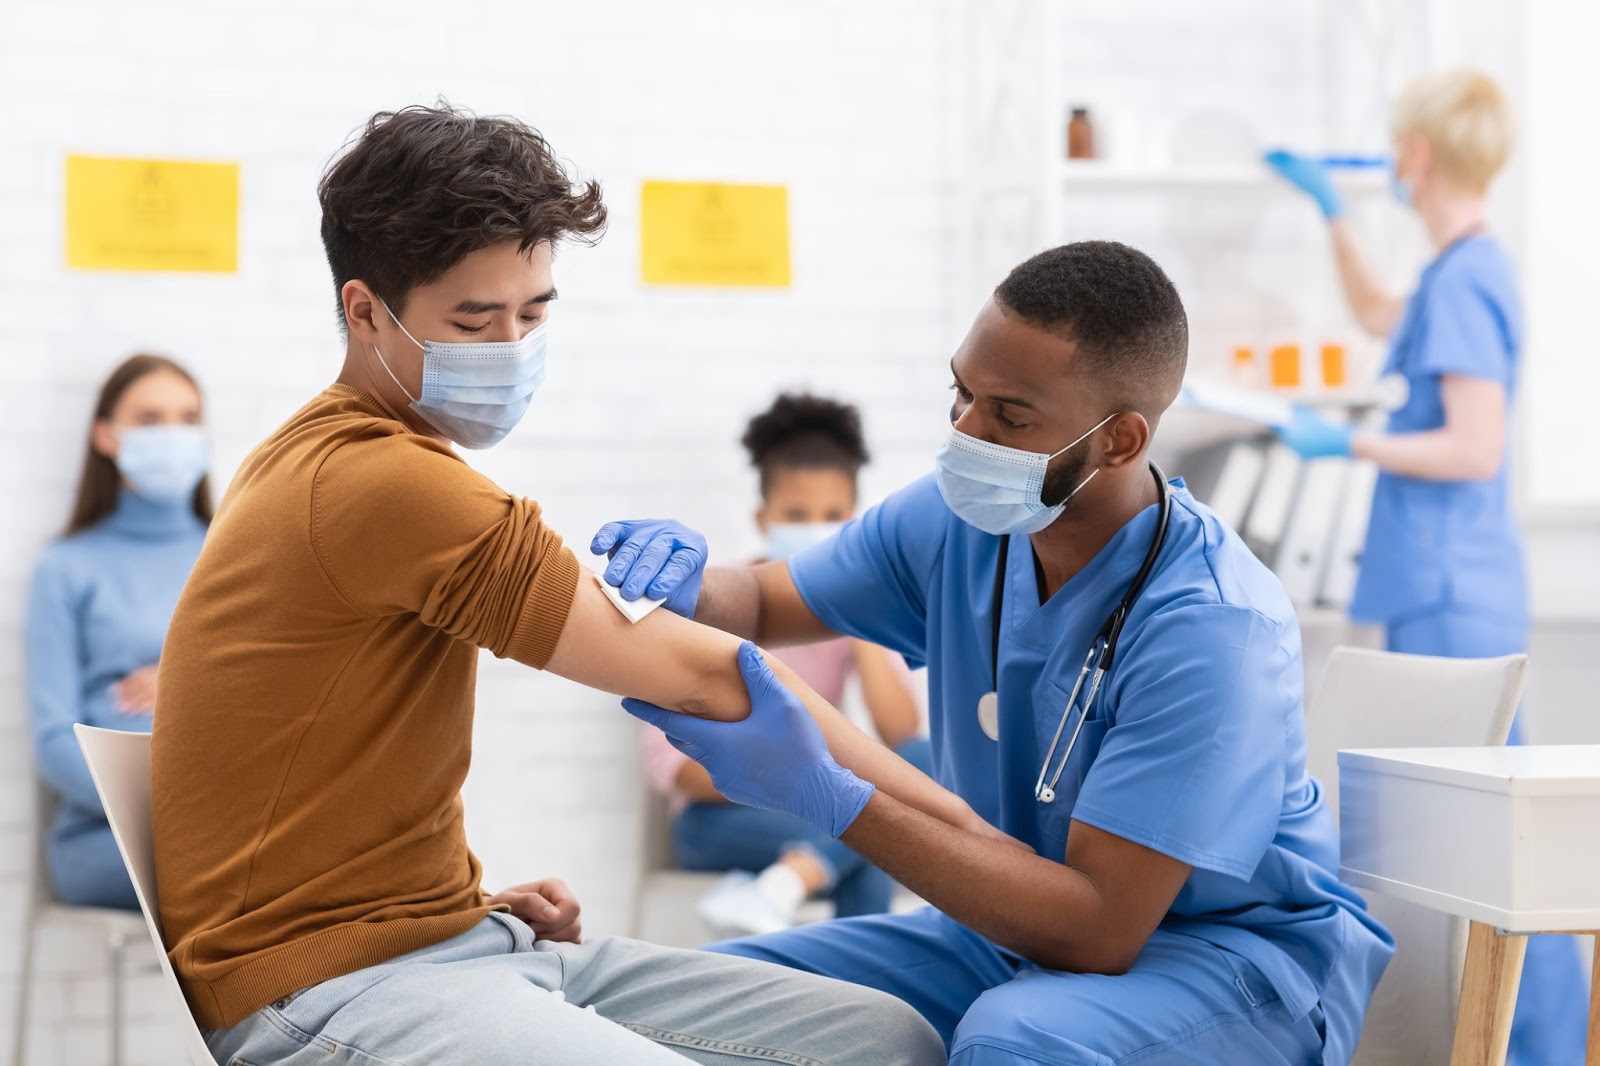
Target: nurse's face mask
x=999, y=489
x=475, y=393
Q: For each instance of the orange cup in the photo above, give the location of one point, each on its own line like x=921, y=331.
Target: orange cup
x=1284, y=366
x=1333, y=366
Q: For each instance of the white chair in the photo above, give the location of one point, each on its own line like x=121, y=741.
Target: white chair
x=120, y=929
x=1374, y=699
x=120, y=765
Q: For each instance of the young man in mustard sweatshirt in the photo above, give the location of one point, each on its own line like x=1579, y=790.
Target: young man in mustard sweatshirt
x=317, y=686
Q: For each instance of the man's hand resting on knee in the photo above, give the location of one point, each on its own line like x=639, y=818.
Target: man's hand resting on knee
x=548, y=907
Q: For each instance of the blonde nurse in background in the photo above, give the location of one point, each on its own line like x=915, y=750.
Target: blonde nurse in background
x=808, y=451
x=1442, y=570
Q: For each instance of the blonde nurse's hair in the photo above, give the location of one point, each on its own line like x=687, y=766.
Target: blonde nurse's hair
x=1466, y=121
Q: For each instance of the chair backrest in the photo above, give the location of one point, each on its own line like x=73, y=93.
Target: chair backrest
x=1374, y=699
x=120, y=765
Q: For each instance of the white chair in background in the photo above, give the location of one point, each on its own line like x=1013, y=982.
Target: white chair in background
x=1374, y=699
x=119, y=928
x=120, y=765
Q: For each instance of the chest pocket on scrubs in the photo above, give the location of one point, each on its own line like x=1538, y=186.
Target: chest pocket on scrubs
x=1050, y=700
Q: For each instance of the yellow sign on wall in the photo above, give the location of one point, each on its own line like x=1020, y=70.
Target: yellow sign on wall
x=708, y=233
x=152, y=214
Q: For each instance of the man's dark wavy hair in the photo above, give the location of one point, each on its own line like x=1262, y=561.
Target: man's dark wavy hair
x=422, y=188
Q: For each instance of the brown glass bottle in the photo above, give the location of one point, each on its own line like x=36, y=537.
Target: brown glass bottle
x=1080, y=135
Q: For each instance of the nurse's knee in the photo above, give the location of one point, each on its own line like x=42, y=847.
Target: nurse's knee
x=996, y=1030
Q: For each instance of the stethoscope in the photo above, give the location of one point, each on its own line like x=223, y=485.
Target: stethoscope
x=1101, y=652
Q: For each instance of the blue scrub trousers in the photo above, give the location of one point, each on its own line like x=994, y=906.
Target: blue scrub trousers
x=1184, y=1001
x=87, y=869
x=1551, y=1022
x=723, y=836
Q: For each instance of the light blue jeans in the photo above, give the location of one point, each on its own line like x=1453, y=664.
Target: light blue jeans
x=495, y=997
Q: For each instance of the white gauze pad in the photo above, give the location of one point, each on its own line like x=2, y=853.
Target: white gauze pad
x=632, y=610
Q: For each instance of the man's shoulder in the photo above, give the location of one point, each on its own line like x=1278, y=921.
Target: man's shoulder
x=1212, y=567
x=916, y=512
x=921, y=497
x=339, y=429
x=341, y=414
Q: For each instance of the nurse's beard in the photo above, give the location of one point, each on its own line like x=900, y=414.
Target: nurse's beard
x=1062, y=480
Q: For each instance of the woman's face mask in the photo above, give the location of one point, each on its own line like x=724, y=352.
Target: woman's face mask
x=162, y=464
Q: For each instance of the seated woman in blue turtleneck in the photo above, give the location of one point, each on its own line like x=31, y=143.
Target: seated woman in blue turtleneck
x=101, y=599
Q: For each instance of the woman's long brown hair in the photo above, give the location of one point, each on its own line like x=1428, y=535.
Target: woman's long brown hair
x=97, y=487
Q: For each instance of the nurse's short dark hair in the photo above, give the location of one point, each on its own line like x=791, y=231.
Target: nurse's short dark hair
x=419, y=189
x=1119, y=308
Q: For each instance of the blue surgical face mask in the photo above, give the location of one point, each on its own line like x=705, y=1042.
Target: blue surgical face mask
x=162, y=464
x=785, y=539
x=997, y=488
x=476, y=393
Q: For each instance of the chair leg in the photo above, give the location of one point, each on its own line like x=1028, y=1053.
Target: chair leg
x=1592, y=1056
x=1488, y=996
x=119, y=944
x=24, y=992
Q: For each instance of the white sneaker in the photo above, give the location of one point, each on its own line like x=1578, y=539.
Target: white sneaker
x=737, y=907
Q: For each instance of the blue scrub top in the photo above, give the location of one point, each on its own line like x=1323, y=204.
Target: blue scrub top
x=1436, y=544
x=1196, y=745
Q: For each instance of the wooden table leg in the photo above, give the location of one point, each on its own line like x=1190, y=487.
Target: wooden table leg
x=1592, y=1058
x=1488, y=996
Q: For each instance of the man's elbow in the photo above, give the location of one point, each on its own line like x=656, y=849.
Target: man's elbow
x=719, y=707
x=1109, y=954
x=716, y=690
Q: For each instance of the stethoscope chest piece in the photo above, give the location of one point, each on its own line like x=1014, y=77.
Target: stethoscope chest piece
x=1045, y=794
x=989, y=715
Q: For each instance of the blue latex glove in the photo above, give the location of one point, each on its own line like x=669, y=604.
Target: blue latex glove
x=1314, y=437
x=1310, y=177
x=775, y=759
x=656, y=558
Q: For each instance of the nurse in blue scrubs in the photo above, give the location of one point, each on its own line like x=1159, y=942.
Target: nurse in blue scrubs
x=1170, y=891
x=1443, y=570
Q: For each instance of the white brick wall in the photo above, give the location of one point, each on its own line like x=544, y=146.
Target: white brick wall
x=849, y=102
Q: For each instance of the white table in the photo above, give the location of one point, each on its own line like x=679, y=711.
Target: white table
x=1504, y=837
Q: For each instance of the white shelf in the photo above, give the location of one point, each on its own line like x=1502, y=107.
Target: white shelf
x=1101, y=174
x=1347, y=396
